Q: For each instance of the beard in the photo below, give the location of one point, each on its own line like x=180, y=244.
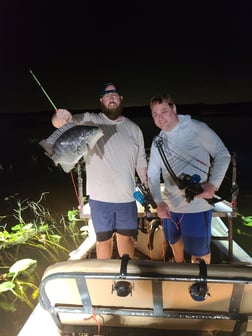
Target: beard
x=112, y=113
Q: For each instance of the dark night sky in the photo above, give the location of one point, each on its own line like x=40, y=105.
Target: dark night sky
x=195, y=50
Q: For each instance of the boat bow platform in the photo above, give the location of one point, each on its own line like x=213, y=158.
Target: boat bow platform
x=95, y=297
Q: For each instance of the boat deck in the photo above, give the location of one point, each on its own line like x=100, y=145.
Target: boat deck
x=85, y=296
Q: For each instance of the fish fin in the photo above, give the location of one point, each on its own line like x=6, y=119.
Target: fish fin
x=93, y=140
x=67, y=167
x=47, y=146
x=59, y=131
x=86, y=156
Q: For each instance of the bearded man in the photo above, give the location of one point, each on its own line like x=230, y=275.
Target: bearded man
x=111, y=171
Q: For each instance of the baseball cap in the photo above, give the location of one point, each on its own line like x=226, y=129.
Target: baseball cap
x=104, y=90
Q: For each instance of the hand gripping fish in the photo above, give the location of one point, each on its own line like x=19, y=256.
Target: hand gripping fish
x=69, y=143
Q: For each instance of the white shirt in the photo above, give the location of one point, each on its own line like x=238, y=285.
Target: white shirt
x=188, y=148
x=113, y=161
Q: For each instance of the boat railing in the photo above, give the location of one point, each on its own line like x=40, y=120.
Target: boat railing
x=144, y=294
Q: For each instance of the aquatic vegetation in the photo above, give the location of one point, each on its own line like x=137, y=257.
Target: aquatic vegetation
x=247, y=220
x=13, y=285
x=37, y=228
x=243, y=233
x=21, y=266
x=32, y=230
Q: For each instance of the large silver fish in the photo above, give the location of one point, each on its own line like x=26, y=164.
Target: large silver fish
x=69, y=143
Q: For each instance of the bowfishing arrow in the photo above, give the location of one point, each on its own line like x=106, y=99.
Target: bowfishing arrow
x=80, y=188
x=47, y=96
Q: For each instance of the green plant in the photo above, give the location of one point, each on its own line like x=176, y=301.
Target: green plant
x=32, y=230
x=14, y=285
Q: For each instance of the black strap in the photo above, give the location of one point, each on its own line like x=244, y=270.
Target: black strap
x=189, y=192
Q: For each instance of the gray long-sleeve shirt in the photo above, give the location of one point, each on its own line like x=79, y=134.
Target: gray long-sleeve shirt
x=190, y=148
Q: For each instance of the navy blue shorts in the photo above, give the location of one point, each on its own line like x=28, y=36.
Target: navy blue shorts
x=113, y=217
x=195, y=228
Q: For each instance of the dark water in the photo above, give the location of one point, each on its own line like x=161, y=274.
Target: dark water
x=26, y=171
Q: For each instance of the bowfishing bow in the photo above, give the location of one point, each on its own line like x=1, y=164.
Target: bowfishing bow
x=189, y=183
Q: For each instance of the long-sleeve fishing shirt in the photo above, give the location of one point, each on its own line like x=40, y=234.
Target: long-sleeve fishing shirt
x=114, y=160
x=190, y=148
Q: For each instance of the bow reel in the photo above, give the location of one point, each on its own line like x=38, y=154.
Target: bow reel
x=191, y=185
x=144, y=196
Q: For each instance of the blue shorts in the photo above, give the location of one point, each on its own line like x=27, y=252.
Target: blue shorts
x=113, y=217
x=195, y=228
